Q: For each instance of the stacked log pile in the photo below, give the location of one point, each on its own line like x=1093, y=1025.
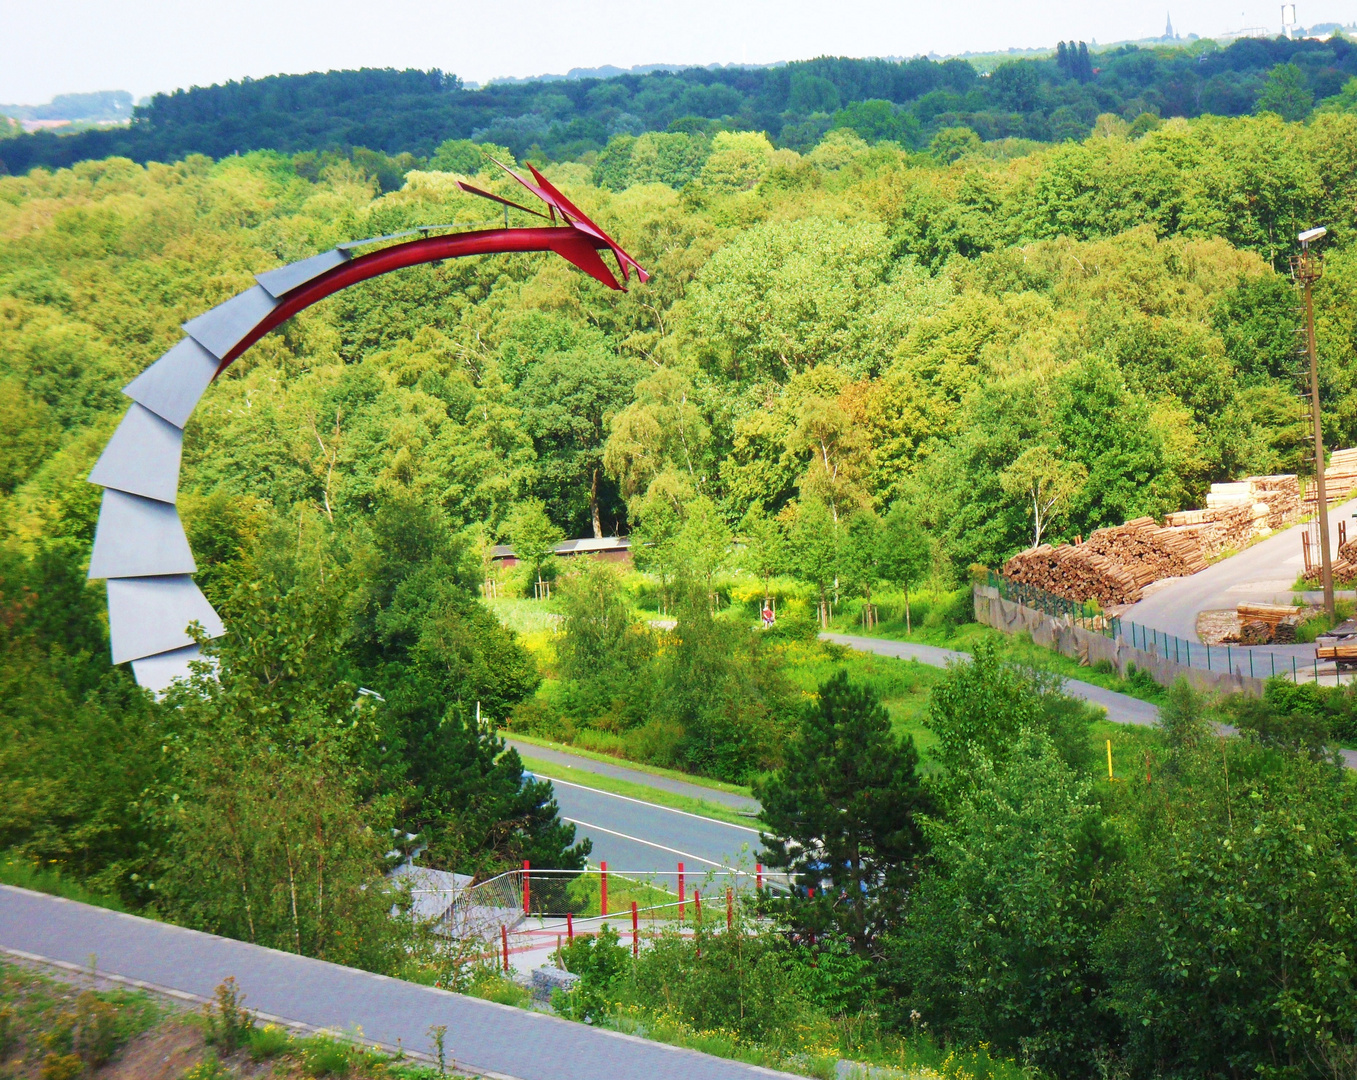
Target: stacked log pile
x=1281, y=494
x=1340, y=478
x=1345, y=566
x=1113, y=566
x=1147, y=552
x=1117, y=563
x=1076, y=573
x=1214, y=530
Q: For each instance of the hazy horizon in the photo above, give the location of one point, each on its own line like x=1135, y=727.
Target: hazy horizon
x=147, y=46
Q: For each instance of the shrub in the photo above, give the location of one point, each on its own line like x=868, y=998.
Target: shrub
x=268, y=1041
x=226, y=1021
x=998, y=942
x=61, y=1067
x=952, y=610
x=210, y=1068
x=326, y=1056
x=601, y=963
x=9, y=1031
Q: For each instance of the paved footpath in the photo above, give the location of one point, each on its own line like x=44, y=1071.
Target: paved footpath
x=1121, y=708
x=483, y=1038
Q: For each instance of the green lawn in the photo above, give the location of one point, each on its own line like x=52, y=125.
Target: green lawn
x=552, y=771
x=654, y=770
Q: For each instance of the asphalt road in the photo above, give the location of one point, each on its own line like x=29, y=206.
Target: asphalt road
x=630, y=835
x=1121, y=708
x=482, y=1037
x=1261, y=574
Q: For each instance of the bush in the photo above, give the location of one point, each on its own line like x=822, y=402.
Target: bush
x=1335, y=705
x=9, y=1032
x=1142, y=682
x=325, y=1056
x=61, y=1067
x=226, y=1021
x=998, y=941
x=210, y=1068
x=982, y=704
x=952, y=610
x=794, y=623
x=602, y=963
x=268, y=1041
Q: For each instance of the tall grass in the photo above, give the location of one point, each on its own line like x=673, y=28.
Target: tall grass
x=26, y=873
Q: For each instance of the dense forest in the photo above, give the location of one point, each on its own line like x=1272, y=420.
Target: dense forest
x=831, y=390
x=412, y=112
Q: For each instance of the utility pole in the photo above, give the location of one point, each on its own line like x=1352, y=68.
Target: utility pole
x=1307, y=268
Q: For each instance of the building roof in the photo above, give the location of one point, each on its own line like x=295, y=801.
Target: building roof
x=583, y=546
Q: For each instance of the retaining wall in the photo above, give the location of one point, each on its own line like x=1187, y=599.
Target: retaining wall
x=1089, y=646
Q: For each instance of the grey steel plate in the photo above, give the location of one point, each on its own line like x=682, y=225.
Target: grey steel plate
x=158, y=671
x=286, y=278
x=142, y=457
x=149, y=615
x=225, y=326
x=348, y=245
x=171, y=386
x=139, y=537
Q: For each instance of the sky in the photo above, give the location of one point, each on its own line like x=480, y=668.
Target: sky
x=50, y=47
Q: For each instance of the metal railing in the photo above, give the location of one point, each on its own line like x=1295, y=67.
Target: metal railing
x=1248, y=661
x=516, y=898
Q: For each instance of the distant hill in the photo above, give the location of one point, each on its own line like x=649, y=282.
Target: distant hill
x=100, y=106
x=412, y=112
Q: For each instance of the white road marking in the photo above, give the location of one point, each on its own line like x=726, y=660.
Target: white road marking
x=647, y=843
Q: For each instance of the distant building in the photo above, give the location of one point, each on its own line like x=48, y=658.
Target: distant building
x=609, y=548
x=1169, y=35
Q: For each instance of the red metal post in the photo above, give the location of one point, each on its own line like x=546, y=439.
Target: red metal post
x=603, y=888
x=635, y=932
x=758, y=876
x=697, y=906
x=810, y=893
x=680, y=883
x=504, y=941
x=569, y=926
x=730, y=908
x=526, y=909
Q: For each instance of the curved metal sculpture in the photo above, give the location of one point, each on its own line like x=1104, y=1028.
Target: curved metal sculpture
x=139, y=545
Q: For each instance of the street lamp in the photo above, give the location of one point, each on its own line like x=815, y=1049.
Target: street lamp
x=1307, y=268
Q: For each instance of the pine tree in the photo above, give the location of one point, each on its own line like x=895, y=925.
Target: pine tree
x=842, y=815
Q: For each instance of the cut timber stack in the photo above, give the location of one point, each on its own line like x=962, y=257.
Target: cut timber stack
x=1112, y=567
x=1215, y=530
x=1340, y=478
x=1271, y=614
x=1345, y=566
x=1275, y=499
x=1146, y=552
x=1281, y=494
x=1076, y=573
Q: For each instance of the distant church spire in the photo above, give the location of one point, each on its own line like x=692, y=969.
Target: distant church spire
x=1168, y=30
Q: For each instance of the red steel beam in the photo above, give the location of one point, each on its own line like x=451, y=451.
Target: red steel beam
x=571, y=244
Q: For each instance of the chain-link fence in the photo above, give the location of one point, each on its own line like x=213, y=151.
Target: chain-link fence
x=1083, y=613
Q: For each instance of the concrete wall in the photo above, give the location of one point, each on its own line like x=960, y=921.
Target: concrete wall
x=1088, y=646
